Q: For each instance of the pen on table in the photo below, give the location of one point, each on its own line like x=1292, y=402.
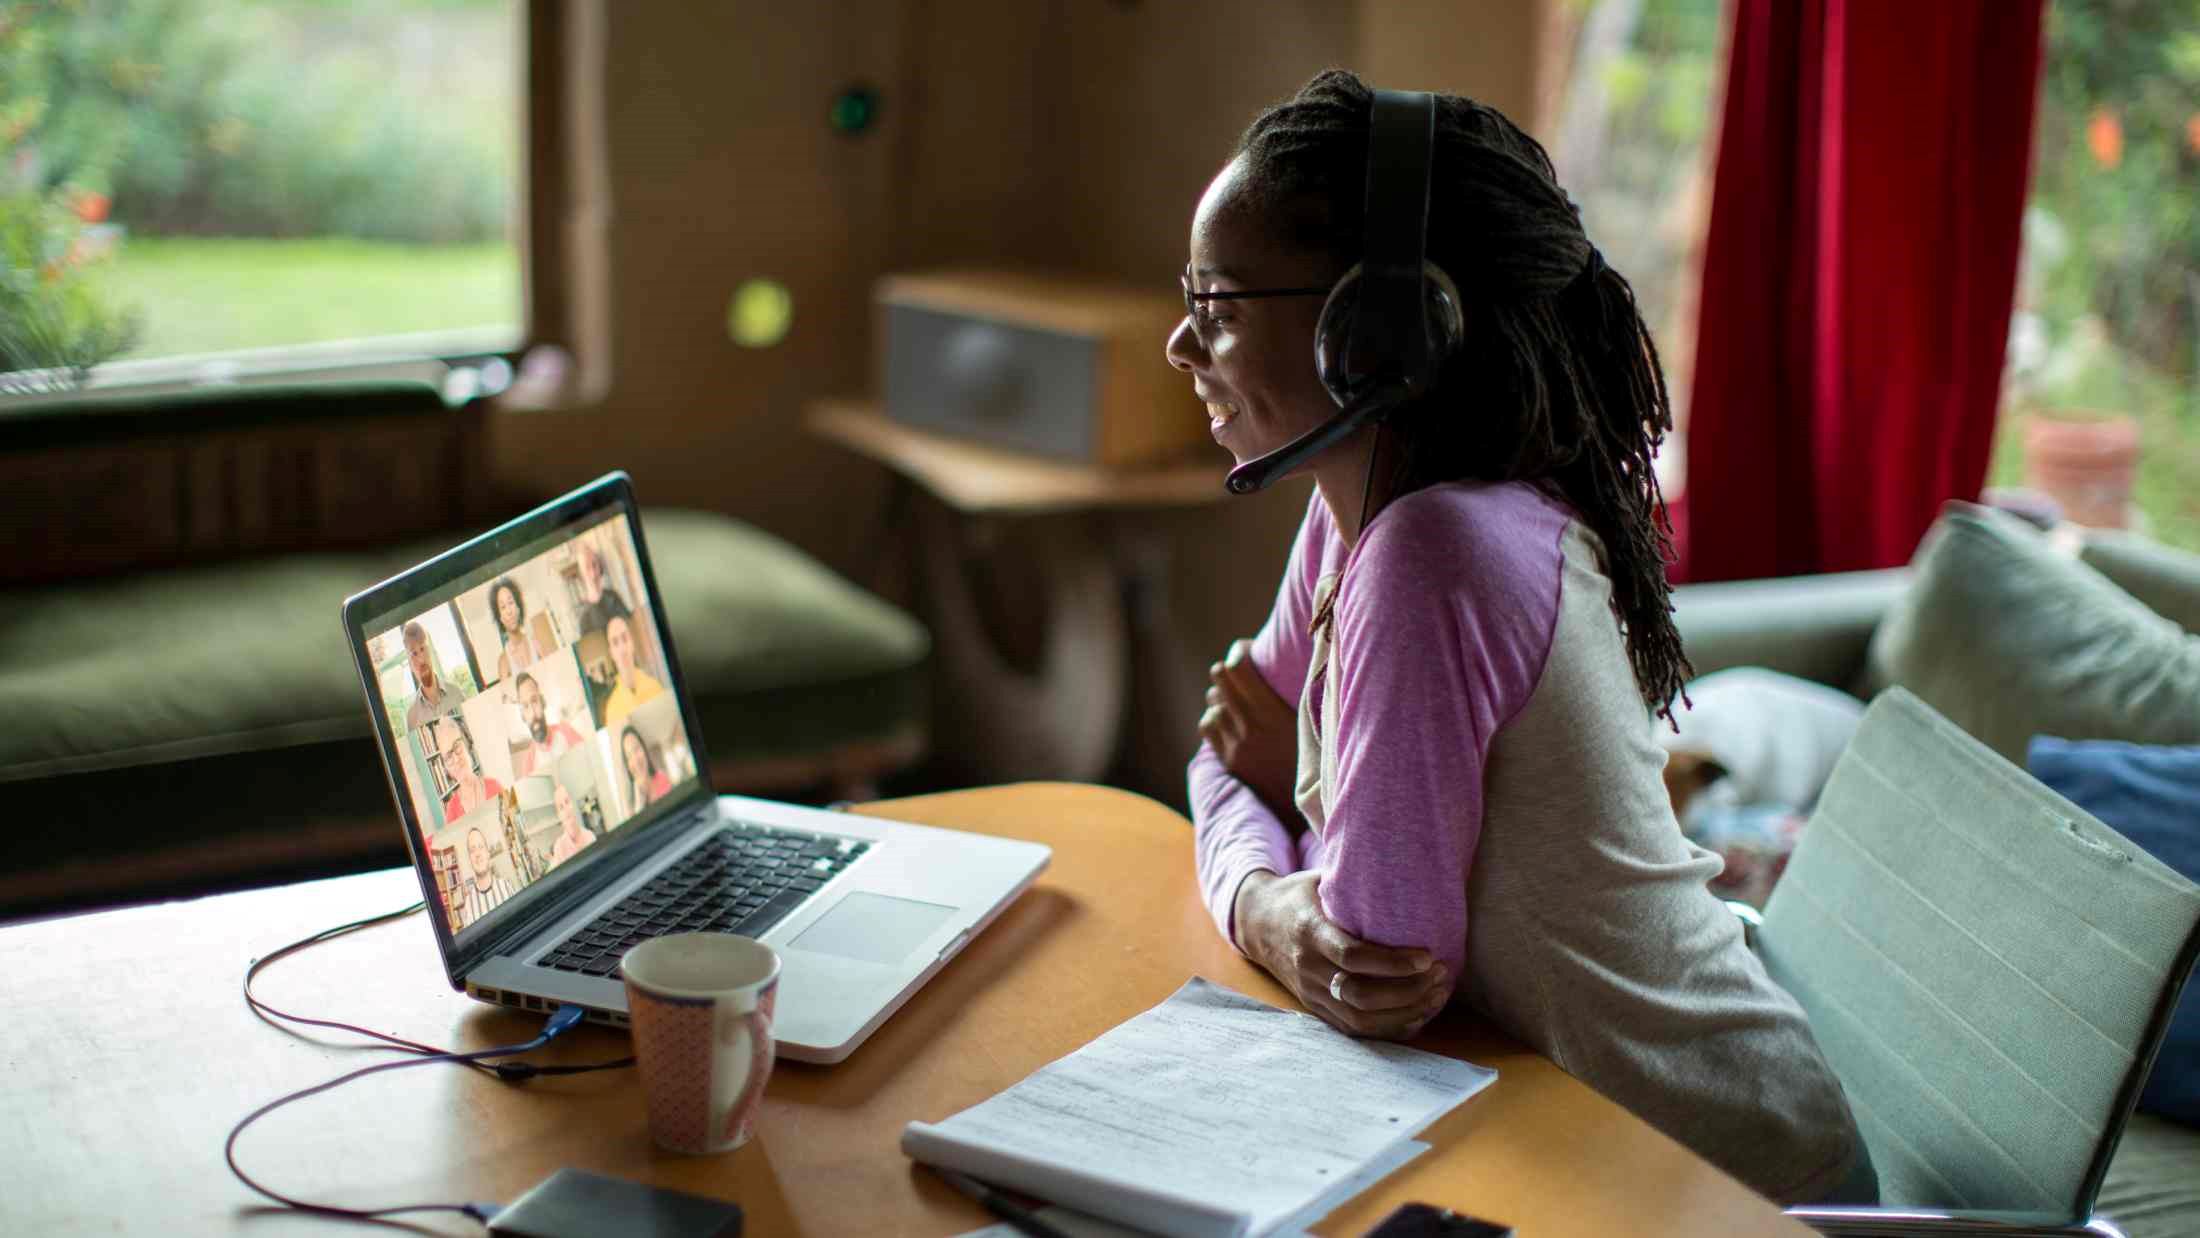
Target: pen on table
x=1023, y=1219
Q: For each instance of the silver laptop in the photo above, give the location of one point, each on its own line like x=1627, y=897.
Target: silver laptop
x=556, y=799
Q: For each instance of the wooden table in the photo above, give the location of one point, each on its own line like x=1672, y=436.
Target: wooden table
x=131, y=1054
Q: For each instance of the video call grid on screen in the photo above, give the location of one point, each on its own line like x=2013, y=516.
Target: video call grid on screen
x=550, y=722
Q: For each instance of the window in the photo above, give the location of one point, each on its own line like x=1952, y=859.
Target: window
x=244, y=184
x=1634, y=147
x=2102, y=407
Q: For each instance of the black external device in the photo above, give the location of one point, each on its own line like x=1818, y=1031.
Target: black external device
x=573, y=1203
x=1430, y=1221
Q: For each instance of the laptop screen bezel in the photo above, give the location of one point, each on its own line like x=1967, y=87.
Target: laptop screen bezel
x=435, y=582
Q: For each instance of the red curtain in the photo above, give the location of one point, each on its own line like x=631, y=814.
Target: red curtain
x=1862, y=256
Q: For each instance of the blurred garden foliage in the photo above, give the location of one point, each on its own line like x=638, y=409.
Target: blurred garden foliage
x=55, y=324
x=385, y=121
x=2108, y=300
x=1632, y=147
x=2112, y=234
x=254, y=118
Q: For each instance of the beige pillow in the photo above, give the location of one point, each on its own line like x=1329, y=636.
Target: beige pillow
x=2010, y=639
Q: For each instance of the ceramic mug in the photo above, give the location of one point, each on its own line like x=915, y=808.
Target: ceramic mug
x=701, y=1005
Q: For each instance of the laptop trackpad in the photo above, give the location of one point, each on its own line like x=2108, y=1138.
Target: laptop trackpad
x=876, y=928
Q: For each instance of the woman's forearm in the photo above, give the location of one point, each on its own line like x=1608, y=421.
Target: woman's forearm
x=1234, y=836
x=1246, y=922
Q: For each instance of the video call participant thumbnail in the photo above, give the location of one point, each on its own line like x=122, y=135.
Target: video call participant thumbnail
x=546, y=740
x=470, y=789
x=600, y=600
x=432, y=698
x=508, y=607
x=484, y=888
x=572, y=837
x=646, y=780
x=636, y=687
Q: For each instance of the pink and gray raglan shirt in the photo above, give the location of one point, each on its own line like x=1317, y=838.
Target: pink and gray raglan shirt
x=1478, y=779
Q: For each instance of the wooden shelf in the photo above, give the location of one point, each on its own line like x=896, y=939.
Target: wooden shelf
x=980, y=480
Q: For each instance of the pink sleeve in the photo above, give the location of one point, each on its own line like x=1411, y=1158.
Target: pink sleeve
x=1443, y=626
x=1234, y=833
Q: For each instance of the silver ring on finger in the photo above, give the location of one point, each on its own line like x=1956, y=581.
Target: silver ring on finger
x=1336, y=985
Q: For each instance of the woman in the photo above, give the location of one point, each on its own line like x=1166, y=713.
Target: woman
x=511, y=617
x=572, y=836
x=644, y=781
x=636, y=687
x=469, y=788
x=1472, y=623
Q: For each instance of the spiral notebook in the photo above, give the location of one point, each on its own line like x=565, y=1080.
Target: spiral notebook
x=1209, y=1116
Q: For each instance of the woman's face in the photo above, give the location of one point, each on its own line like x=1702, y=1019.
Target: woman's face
x=637, y=759
x=568, y=816
x=621, y=639
x=1251, y=362
x=454, y=758
x=508, y=610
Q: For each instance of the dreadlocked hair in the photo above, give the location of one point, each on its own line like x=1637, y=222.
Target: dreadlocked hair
x=1558, y=381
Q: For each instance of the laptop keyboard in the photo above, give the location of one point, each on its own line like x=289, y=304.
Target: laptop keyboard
x=742, y=880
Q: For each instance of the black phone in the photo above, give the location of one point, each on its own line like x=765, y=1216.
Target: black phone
x=1430, y=1221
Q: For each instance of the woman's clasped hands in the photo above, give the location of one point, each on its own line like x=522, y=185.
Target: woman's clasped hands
x=1353, y=985
x=1254, y=731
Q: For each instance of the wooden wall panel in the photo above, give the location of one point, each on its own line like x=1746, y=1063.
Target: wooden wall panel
x=1157, y=96
x=1486, y=51
x=980, y=143
x=719, y=167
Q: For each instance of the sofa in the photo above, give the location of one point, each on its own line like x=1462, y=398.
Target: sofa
x=178, y=711
x=2010, y=631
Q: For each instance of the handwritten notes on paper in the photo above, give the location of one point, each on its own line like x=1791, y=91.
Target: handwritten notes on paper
x=1210, y=1114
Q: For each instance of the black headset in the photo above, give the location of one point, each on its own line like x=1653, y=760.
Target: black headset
x=1394, y=318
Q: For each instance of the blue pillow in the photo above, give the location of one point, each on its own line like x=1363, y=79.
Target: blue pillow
x=2151, y=795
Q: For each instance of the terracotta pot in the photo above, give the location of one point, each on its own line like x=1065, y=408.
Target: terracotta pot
x=2086, y=465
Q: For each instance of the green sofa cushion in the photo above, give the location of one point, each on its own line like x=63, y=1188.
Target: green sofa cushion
x=250, y=655
x=749, y=613
x=2009, y=639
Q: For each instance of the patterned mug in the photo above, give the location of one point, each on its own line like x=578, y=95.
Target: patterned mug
x=701, y=1005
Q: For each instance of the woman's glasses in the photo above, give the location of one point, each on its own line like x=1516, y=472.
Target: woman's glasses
x=1195, y=303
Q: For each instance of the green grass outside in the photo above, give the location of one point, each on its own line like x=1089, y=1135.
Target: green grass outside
x=215, y=294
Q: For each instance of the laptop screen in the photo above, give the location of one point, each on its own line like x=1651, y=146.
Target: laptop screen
x=532, y=712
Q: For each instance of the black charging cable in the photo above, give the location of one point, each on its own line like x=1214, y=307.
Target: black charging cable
x=510, y=1072
x=565, y=1019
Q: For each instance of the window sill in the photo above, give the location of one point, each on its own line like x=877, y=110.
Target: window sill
x=462, y=364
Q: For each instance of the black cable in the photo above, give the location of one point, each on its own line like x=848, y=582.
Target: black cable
x=510, y=1072
x=1367, y=483
x=566, y=1017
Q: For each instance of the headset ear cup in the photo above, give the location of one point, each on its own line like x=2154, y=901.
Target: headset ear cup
x=1333, y=335
x=1446, y=317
